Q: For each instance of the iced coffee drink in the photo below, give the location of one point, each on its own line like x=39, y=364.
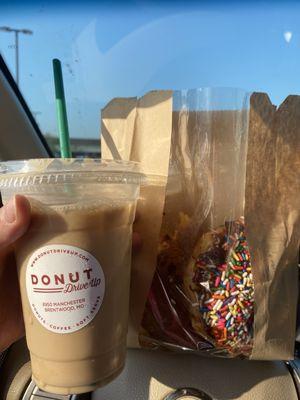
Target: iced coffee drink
x=74, y=270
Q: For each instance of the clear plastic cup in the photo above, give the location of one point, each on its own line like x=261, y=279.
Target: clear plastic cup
x=74, y=267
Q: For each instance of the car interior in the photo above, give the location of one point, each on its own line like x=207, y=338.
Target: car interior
x=148, y=374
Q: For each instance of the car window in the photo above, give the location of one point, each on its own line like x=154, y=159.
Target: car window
x=111, y=49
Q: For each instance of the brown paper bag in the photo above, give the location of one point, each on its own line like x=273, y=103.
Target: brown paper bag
x=224, y=164
x=272, y=213
x=140, y=130
x=253, y=171
x=208, y=155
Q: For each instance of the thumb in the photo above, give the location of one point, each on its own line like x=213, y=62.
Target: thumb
x=14, y=220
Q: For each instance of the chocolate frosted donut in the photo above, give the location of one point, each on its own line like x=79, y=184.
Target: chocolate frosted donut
x=219, y=283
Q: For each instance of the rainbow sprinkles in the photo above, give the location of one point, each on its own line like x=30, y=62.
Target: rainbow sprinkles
x=223, y=276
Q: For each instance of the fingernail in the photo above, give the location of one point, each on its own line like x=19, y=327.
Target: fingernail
x=10, y=211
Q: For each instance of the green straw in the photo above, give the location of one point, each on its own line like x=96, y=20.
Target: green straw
x=61, y=111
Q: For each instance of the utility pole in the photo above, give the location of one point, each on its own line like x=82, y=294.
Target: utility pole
x=16, y=32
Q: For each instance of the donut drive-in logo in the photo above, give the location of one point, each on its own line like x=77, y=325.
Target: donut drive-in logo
x=65, y=287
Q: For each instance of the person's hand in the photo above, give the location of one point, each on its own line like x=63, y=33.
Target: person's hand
x=14, y=222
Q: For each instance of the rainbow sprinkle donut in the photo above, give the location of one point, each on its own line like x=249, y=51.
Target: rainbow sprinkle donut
x=221, y=283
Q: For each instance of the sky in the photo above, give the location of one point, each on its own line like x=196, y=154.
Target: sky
x=111, y=49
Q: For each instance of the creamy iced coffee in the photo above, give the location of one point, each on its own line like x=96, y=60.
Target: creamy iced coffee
x=74, y=272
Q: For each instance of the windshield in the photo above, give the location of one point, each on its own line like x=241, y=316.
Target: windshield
x=114, y=49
